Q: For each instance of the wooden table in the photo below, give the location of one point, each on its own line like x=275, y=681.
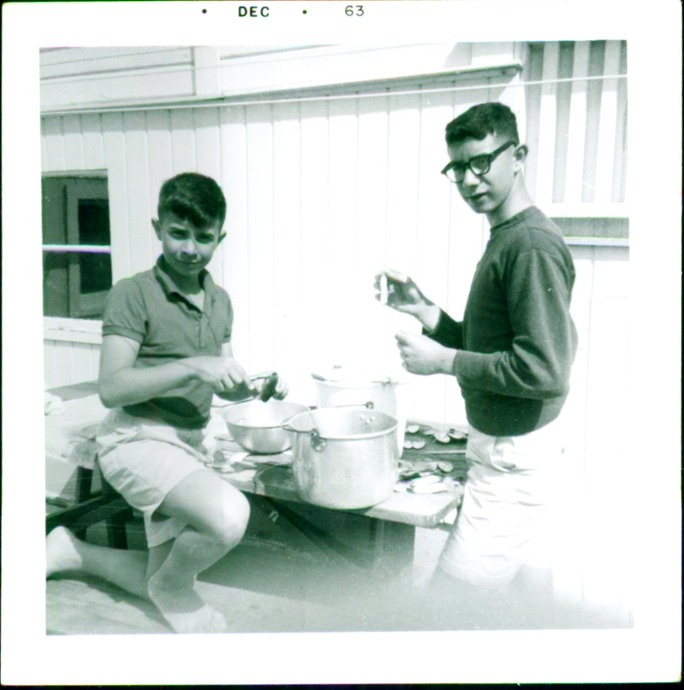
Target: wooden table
x=381, y=537
x=276, y=481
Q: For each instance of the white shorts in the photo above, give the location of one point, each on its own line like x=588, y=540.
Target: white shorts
x=505, y=517
x=143, y=460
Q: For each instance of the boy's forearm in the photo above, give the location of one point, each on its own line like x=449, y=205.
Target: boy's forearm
x=237, y=394
x=429, y=317
x=134, y=385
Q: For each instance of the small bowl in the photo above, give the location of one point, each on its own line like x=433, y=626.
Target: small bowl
x=258, y=426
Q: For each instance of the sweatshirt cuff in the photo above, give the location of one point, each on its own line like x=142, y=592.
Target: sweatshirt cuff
x=456, y=364
x=470, y=368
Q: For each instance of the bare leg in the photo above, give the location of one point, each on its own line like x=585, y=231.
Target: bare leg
x=217, y=516
x=135, y=571
x=172, y=586
x=125, y=569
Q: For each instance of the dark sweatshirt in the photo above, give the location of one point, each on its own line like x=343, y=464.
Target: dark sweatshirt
x=517, y=341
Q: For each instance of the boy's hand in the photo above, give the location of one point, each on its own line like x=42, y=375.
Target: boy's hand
x=422, y=355
x=399, y=292
x=224, y=376
x=271, y=387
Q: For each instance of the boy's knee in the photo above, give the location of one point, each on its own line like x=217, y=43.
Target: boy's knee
x=231, y=527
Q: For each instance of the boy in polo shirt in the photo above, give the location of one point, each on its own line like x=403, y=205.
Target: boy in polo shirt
x=165, y=352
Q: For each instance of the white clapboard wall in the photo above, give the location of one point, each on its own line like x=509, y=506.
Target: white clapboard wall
x=326, y=190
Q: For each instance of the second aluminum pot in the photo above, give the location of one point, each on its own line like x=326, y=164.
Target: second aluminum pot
x=344, y=458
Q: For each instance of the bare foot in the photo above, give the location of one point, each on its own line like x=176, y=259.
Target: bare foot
x=61, y=551
x=183, y=609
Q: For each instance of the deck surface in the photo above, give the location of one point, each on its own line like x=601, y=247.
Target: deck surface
x=89, y=606
x=268, y=588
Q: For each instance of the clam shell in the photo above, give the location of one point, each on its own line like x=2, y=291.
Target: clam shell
x=429, y=488
x=427, y=479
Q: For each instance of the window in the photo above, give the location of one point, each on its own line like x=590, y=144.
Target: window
x=77, y=265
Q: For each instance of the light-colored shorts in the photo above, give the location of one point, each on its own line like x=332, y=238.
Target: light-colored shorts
x=143, y=460
x=505, y=517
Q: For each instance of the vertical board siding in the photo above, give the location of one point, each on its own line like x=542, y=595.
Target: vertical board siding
x=289, y=322
x=54, y=157
x=137, y=175
x=347, y=280
x=547, y=124
x=159, y=168
x=620, y=166
x=74, y=158
x=235, y=248
x=591, y=144
x=66, y=363
x=318, y=292
x=183, y=140
x=564, y=96
x=261, y=254
x=577, y=124
x=608, y=123
x=208, y=146
x=576, y=130
x=119, y=192
x=93, y=143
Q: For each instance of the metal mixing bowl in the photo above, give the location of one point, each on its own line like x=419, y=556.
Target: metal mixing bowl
x=258, y=426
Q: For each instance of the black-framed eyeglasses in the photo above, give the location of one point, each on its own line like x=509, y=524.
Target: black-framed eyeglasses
x=479, y=165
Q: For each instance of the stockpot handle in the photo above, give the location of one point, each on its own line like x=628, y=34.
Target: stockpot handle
x=317, y=443
x=368, y=405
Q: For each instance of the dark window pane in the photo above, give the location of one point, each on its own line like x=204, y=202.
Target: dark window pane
x=96, y=272
x=93, y=221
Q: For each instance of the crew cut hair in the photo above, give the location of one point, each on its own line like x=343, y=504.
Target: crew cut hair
x=480, y=120
x=193, y=197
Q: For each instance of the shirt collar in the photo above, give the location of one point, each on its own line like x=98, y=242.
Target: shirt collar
x=169, y=286
x=513, y=219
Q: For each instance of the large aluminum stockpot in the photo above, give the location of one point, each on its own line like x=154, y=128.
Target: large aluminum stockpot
x=344, y=457
x=258, y=426
x=343, y=385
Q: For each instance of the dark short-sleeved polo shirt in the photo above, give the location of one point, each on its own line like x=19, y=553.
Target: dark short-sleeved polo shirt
x=150, y=309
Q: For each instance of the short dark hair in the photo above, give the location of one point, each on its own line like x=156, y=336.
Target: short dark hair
x=480, y=120
x=193, y=197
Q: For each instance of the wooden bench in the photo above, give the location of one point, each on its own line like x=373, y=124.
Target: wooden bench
x=90, y=506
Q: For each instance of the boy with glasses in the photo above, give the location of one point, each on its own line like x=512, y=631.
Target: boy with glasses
x=511, y=356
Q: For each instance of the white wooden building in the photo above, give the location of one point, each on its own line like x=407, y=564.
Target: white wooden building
x=330, y=158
